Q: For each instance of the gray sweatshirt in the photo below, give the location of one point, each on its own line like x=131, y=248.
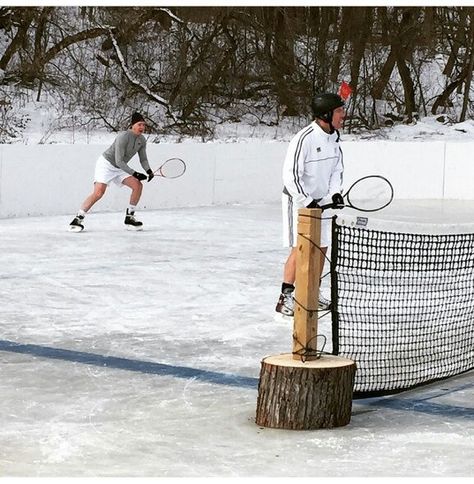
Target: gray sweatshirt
x=126, y=145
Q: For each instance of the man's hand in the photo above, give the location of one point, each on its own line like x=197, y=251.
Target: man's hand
x=151, y=175
x=139, y=176
x=313, y=204
x=337, y=201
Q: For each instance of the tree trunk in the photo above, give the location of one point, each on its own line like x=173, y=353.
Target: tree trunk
x=341, y=43
x=363, y=24
x=443, y=98
x=301, y=396
x=458, y=41
x=467, y=84
x=408, y=88
x=385, y=73
x=282, y=60
x=20, y=38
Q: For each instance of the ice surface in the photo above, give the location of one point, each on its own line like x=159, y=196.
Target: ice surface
x=138, y=354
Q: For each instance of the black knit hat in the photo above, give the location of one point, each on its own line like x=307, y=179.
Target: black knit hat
x=137, y=118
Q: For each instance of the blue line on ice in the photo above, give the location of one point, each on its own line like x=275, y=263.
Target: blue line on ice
x=414, y=405
x=129, y=365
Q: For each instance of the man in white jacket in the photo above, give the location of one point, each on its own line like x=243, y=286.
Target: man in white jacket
x=312, y=177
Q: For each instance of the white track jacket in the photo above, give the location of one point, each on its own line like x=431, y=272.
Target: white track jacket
x=313, y=166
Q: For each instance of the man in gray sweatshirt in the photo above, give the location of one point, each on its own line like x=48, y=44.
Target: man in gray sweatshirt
x=112, y=166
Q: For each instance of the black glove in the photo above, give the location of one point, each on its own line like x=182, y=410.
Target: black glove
x=337, y=201
x=139, y=176
x=313, y=204
x=151, y=175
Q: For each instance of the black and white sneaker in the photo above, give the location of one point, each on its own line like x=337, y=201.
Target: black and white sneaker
x=324, y=304
x=131, y=222
x=285, y=307
x=77, y=224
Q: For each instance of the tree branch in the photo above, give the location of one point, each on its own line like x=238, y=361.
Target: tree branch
x=135, y=82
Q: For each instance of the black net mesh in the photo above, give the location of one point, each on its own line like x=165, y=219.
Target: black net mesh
x=403, y=305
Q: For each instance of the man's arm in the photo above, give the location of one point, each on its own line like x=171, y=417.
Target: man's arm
x=293, y=169
x=143, y=157
x=335, y=180
x=120, y=144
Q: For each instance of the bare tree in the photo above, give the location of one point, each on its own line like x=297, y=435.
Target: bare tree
x=191, y=68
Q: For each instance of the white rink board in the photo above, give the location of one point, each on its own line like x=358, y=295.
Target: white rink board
x=55, y=179
x=459, y=171
x=416, y=170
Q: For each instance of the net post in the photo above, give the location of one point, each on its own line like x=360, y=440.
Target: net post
x=334, y=286
x=294, y=393
x=308, y=270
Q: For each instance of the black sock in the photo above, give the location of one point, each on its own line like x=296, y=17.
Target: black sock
x=285, y=287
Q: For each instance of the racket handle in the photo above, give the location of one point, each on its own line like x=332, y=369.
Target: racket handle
x=313, y=204
x=325, y=207
x=337, y=203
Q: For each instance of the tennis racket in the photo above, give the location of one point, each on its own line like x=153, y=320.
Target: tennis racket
x=172, y=168
x=368, y=194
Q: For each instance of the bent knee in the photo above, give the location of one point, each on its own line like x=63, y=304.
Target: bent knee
x=133, y=183
x=99, y=190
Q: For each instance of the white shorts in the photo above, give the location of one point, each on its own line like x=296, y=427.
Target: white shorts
x=290, y=223
x=107, y=173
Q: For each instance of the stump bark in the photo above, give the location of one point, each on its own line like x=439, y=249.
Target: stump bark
x=315, y=394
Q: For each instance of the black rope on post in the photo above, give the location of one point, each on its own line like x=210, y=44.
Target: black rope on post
x=307, y=352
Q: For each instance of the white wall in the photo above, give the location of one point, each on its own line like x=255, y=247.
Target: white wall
x=416, y=170
x=54, y=179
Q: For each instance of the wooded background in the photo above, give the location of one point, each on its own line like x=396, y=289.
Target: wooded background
x=190, y=68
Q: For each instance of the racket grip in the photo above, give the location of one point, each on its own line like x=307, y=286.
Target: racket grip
x=325, y=207
x=337, y=203
x=313, y=204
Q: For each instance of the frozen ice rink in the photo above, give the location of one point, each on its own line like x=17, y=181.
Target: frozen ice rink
x=138, y=354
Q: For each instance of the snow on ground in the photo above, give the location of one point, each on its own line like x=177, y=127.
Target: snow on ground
x=45, y=127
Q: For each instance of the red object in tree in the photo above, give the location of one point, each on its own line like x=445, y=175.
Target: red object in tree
x=345, y=90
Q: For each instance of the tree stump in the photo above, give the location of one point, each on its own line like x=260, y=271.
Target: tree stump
x=315, y=394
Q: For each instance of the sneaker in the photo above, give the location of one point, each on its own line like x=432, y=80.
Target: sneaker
x=285, y=305
x=324, y=303
x=77, y=224
x=131, y=222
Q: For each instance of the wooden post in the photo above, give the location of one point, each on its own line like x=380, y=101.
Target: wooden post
x=308, y=270
x=304, y=390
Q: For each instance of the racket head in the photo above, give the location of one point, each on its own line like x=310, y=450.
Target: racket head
x=171, y=168
x=370, y=194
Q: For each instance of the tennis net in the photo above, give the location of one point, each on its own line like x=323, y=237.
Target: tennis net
x=403, y=301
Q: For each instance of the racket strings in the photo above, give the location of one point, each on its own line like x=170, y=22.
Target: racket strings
x=370, y=194
x=171, y=168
